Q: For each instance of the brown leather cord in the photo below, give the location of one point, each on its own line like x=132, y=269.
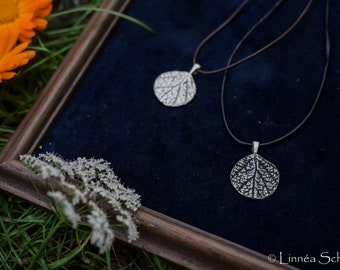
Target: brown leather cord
x=320, y=89
x=226, y=22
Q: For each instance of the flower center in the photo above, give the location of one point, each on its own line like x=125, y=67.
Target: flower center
x=8, y=11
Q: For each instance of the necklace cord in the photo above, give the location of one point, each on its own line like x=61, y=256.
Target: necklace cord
x=217, y=30
x=322, y=83
x=229, y=19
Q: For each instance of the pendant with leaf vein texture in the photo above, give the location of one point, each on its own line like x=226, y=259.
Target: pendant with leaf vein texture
x=176, y=88
x=255, y=177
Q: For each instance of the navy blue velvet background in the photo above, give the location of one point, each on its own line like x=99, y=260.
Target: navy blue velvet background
x=179, y=160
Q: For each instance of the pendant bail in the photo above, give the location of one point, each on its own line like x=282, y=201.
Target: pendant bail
x=194, y=69
x=255, y=147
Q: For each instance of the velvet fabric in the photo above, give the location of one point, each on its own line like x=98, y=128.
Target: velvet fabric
x=179, y=159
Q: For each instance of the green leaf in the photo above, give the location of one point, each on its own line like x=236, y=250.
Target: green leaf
x=61, y=262
x=112, y=12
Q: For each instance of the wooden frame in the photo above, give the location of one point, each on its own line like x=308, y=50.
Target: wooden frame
x=164, y=236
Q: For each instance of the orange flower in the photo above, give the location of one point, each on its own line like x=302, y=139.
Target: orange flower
x=11, y=54
x=24, y=16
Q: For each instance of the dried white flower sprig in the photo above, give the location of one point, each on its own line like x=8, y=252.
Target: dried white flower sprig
x=85, y=186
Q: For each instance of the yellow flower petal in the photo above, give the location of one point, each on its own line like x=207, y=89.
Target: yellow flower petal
x=12, y=55
x=24, y=16
x=40, y=24
x=6, y=76
x=7, y=41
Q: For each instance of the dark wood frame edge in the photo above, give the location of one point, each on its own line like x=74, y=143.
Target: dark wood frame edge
x=161, y=235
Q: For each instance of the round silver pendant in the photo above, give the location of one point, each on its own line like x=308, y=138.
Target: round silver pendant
x=175, y=88
x=255, y=177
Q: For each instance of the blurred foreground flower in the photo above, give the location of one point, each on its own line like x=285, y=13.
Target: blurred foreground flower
x=11, y=54
x=24, y=16
x=86, y=186
x=18, y=21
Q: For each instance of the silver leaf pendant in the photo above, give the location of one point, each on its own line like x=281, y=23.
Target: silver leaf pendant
x=176, y=88
x=255, y=177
